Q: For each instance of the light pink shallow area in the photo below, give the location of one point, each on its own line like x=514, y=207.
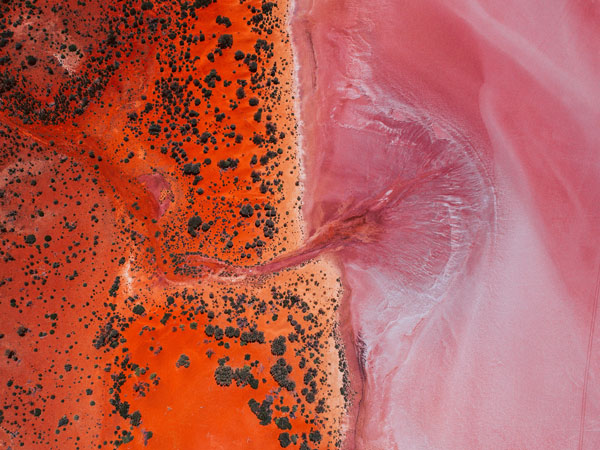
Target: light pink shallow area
x=461, y=141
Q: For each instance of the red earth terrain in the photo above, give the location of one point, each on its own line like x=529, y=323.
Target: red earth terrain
x=148, y=156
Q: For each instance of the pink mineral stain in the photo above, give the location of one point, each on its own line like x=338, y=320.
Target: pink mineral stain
x=160, y=190
x=452, y=166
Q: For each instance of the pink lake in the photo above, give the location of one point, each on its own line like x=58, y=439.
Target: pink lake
x=452, y=155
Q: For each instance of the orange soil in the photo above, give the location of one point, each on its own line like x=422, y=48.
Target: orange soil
x=96, y=316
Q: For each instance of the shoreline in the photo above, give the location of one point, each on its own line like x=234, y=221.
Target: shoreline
x=304, y=72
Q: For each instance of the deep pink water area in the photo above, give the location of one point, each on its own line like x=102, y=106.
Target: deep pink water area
x=455, y=145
